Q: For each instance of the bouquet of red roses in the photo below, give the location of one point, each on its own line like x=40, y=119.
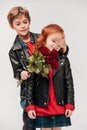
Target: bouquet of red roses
x=38, y=64
x=41, y=61
x=51, y=57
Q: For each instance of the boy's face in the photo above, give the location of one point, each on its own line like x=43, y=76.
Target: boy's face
x=21, y=25
x=55, y=41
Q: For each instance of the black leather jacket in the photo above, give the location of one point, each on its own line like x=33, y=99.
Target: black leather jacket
x=19, y=60
x=38, y=89
x=18, y=55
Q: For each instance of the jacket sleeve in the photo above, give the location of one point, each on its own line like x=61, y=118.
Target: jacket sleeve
x=64, y=53
x=30, y=90
x=16, y=65
x=69, y=87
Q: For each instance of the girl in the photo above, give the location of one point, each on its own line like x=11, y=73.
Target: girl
x=50, y=101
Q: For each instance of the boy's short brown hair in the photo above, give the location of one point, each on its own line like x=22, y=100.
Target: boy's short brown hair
x=15, y=12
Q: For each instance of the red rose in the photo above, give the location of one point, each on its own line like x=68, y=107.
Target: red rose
x=49, y=59
x=51, y=56
x=55, y=64
x=44, y=50
x=54, y=53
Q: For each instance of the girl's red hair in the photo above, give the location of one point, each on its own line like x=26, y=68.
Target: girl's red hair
x=46, y=31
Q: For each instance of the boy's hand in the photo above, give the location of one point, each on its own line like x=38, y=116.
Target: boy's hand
x=25, y=75
x=68, y=112
x=63, y=46
x=60, y=43
x=32, y=114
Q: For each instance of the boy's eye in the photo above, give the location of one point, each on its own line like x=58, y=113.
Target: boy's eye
x=17, y=23
x=25, y=22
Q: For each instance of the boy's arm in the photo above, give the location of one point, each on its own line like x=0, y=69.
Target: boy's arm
x=30, y=93
x=64, y=49
x=16, y=65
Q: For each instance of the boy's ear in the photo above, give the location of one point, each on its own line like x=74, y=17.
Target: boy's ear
x=11, y=26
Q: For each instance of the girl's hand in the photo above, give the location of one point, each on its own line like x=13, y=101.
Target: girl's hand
x=68, y=112
x=32, y=114
x=25, y=75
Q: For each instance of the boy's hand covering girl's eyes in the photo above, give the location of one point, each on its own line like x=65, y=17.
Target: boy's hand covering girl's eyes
x=61, y=43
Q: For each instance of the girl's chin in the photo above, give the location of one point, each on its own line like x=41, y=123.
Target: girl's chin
x=57, y=49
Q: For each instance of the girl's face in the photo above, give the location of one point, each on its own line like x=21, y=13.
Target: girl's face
x=21, y=25
x=54, y=41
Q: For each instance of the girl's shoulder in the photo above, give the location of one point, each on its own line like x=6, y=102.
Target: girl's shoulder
x=63, y=59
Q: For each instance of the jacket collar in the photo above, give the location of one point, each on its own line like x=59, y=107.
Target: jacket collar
x=19, y=44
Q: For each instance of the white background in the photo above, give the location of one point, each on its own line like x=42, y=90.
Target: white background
x=72, y=16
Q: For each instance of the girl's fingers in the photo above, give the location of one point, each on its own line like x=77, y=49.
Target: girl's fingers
x=32, y=114
x=68, y=113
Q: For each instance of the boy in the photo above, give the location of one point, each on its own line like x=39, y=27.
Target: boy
x=19, y=20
